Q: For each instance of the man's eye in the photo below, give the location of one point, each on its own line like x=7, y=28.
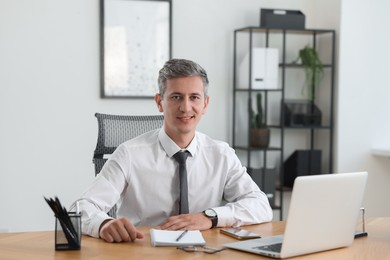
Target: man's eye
x=175, y=97
x=195, y=97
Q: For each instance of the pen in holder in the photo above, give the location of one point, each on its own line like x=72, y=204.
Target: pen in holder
x=68, y=237
x=67, y=226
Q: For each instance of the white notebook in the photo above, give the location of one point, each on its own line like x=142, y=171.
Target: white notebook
x=168, y=238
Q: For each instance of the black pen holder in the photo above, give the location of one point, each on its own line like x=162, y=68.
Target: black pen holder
x=68, y=238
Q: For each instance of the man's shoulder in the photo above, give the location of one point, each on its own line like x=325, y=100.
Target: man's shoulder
x=209, y=142
x=141, y=145
x=146, y=139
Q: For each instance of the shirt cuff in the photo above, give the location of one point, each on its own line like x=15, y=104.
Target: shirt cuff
x=225, y=216
x=96, y=221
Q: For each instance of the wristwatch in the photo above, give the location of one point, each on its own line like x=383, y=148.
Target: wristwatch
x=212, y=215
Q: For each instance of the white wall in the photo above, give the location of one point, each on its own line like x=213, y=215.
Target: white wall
x=49, y=91
x=363, y=101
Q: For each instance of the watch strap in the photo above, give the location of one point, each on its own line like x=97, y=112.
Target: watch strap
x=214, y=222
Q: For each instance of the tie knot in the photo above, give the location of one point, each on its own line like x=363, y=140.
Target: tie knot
x=181, y=156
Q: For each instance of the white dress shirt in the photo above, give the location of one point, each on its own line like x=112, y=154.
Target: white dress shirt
x=142, y=178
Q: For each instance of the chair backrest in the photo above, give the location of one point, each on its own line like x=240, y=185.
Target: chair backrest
x=116, y=129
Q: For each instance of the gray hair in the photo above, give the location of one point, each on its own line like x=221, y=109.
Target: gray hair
x=177, y=68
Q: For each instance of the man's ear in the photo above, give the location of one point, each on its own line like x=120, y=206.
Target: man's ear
x=206, y=104
x=158, y=100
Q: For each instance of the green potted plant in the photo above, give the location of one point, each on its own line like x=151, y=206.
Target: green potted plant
x=314, y=69
x=260, y=134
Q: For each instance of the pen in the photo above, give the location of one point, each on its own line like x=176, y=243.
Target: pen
x=181, y=235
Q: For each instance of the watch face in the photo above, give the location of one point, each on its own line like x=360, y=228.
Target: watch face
x=210, y=213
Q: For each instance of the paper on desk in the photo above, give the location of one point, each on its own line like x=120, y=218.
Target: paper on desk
x=168, y=238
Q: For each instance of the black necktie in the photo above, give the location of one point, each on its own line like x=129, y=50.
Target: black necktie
x=181, y=158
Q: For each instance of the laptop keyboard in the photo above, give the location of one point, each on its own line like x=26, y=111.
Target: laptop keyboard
x=273, y=248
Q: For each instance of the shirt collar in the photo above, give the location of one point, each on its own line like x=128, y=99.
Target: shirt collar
x=171, y=147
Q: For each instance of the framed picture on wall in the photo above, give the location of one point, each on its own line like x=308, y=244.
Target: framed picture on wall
x=135, y=43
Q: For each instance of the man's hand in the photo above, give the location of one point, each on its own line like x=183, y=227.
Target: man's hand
x=187, y=222
x=119, y=230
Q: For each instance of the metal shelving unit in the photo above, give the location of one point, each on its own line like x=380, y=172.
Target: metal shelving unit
x=243, y=99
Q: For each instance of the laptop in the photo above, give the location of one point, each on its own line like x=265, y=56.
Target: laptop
x=323, y=215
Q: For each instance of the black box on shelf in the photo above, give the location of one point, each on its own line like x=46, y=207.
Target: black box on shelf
x=301, y=113
x=282, y=19
x=300, y=163
x=266, y=181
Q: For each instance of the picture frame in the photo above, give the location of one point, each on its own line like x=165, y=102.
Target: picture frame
x=135, y=42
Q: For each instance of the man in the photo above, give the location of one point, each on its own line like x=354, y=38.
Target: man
x=142, y=175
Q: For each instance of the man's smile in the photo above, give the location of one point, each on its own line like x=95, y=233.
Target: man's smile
x=185, y=118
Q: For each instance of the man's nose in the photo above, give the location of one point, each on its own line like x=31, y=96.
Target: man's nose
x=185, y=105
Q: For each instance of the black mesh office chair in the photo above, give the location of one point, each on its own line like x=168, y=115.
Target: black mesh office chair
x=116, y=129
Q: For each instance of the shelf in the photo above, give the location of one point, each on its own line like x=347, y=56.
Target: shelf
x=249, y=148
x=278, y=30
x=385, y=152
x=308, y=127
x=256, y=90
x=319, y=127
x=294, y=65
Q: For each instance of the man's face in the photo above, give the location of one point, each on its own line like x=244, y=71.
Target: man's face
x=183, y=106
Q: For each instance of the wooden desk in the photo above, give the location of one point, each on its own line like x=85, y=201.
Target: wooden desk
x=40, y=245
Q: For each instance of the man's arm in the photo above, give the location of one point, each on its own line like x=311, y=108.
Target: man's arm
x=247, y=204
x=100, y=197
x=243, y=203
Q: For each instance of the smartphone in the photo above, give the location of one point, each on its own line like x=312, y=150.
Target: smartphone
x=239, y=233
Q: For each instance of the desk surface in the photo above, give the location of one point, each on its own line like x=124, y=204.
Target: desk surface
x=40, y=245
